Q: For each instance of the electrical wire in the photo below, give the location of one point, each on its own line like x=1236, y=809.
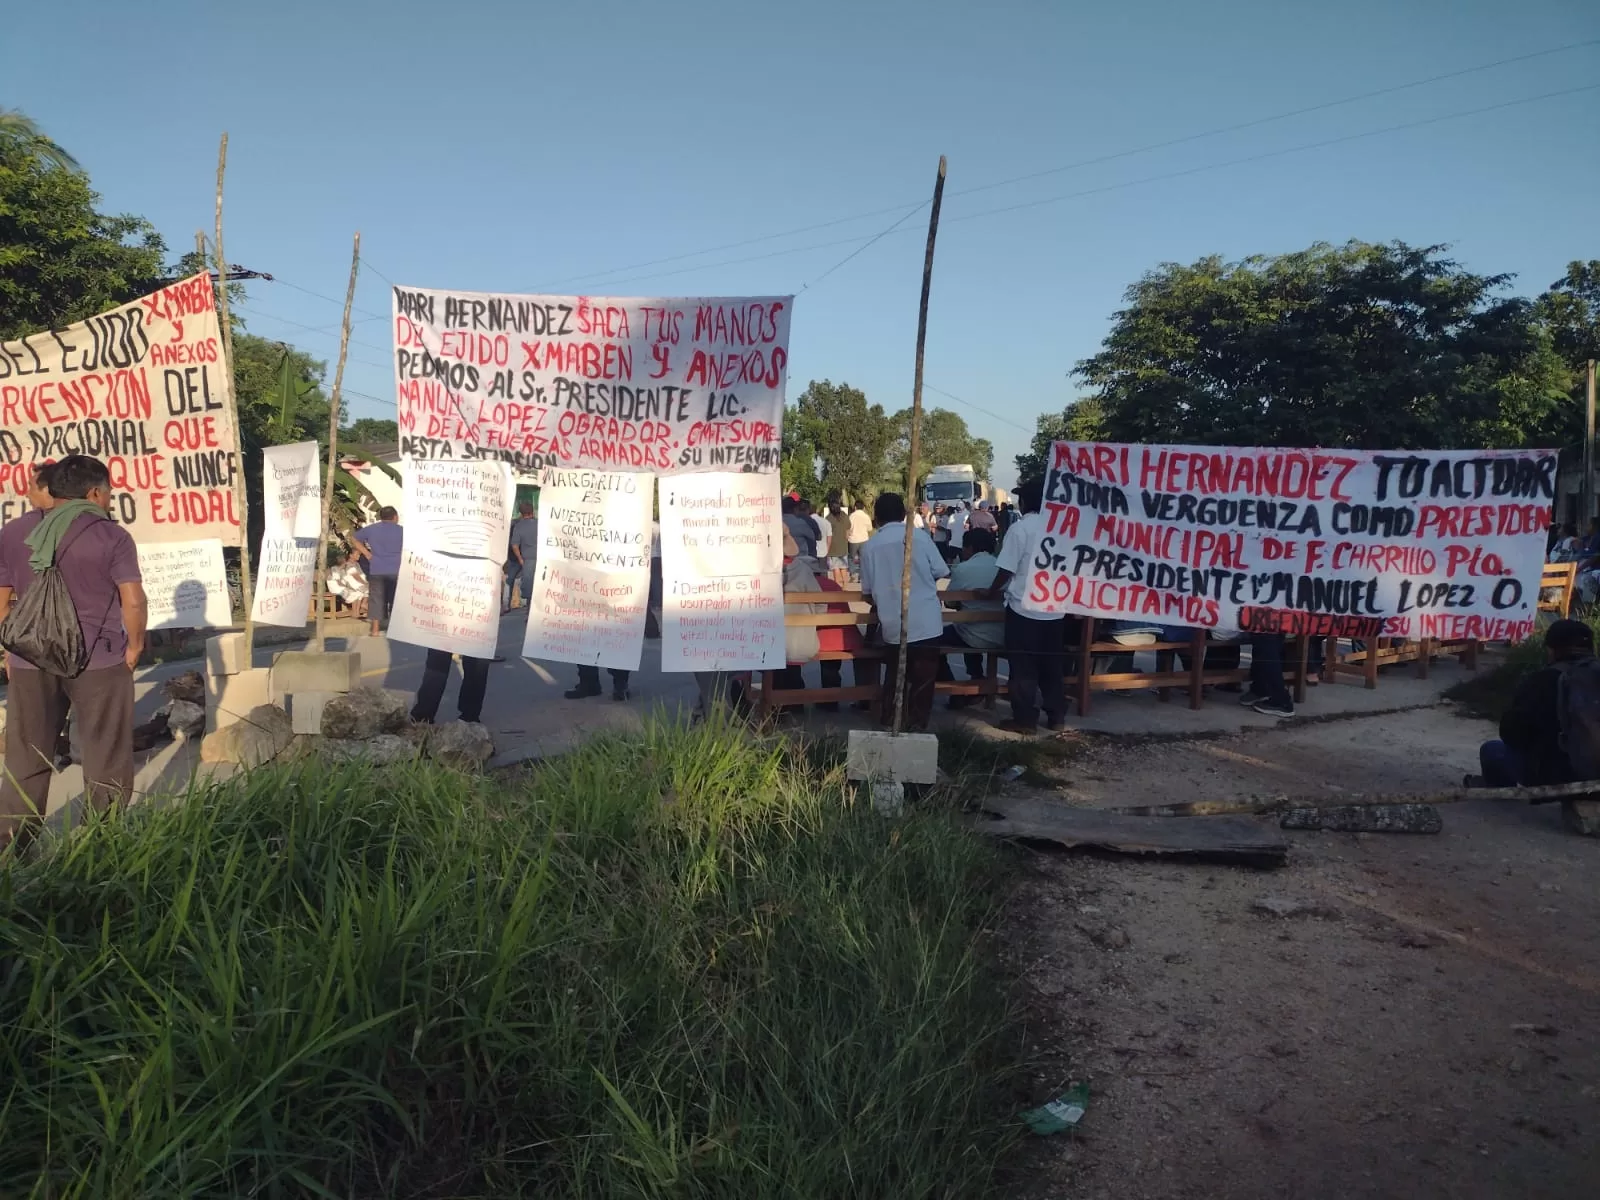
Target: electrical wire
x=928, y=387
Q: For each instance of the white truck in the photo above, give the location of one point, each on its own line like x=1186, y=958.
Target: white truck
x=958, y=482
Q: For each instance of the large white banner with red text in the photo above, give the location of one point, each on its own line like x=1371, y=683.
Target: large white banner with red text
x=1358, y=543
x=662, y=386
x=143, y=389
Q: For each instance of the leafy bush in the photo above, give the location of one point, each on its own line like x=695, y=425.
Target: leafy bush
x=681, y=963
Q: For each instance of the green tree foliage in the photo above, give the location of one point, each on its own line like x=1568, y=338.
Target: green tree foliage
x=1571, y=312
x=835, y=441
x=1083, y=421
x=62, y=260
x=945, y=439
x=1356, y=345
x=368, y=431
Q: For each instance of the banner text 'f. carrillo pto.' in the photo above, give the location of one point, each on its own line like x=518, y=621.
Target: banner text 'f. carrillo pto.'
x=1355, y=543
x=143, y=388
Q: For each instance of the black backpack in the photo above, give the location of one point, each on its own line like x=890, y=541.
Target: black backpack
x=43, y=626
x=1578, y=707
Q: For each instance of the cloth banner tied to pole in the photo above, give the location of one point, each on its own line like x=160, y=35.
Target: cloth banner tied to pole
x=1442, y=544
x=292, y=512
x=665, y=386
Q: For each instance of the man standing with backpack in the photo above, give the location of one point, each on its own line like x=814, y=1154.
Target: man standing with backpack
x=95, y=560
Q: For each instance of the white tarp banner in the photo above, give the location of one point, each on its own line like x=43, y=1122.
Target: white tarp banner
x=285, y=579
x=185, y=585
x=143, y=388
x=722, y=594
x=291, y=490
x=593, y=580
x=458, y=507
x=1356, y=543
x=658, y=385
x=447, y=603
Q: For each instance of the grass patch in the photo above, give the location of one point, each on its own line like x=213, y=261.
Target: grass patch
x=678, y=963
x=1487, y=693
x=977, y=760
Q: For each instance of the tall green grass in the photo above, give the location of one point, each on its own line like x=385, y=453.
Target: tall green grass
x=677, y=964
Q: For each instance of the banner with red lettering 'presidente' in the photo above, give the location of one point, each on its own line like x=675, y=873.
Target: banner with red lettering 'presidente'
x=662, y=386
x=141, y=388
x=1358, y=543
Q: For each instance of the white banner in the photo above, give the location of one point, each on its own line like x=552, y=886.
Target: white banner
x=722, y=595
x=447, y=603
x=1359, y=543
x=285, y=578
x=593, y=582
x=143, y=388
x=660, y=385
x=291, y=487
x=459, y=507
x=185, y=585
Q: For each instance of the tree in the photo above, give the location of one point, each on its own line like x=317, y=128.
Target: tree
x=1083, y=421
x=945, y=439
x=369, y=431
x=1571, y=312
x=1356, y=345
x=61, y=260
x=836, y=441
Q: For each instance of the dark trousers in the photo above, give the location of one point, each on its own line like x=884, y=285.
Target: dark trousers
x=436, y=673
x=922, y=670
x=1037, y=661
x=1266, y=668
x=589, y=679
x=36, y=713
x=973, y=661
x=380, y=598
x=1500, y=765
x=652, y=621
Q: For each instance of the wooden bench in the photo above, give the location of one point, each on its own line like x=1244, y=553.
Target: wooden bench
x=1385, y=652
x=1562, y=579
x=771, y=696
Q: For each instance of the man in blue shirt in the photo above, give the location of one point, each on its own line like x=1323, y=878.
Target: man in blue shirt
x=380, y=544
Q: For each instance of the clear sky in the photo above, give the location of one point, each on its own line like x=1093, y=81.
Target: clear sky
x=501, y=146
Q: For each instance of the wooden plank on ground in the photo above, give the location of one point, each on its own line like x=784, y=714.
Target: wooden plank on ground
x=1216, y=839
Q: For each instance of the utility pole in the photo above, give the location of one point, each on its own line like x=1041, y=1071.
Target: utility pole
x=1588, y=452
x=915, y=449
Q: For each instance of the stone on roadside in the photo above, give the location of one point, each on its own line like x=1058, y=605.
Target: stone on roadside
x=464, y=745
x=381, y=750
x=1104, y=934
x=258, y=737
x=1289, y=906
x=365, y=712
x=190, y=687
x=1581, y=816
x=185, y=718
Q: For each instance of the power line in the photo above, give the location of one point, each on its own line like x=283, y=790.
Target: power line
x=976, y=407
x=1234, y=128
x=871, y=241
x=1165, y=175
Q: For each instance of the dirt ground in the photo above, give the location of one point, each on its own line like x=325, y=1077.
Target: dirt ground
x=1428, y=1025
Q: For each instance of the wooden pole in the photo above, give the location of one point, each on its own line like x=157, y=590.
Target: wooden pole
x=914, y=450
x=1588, y=454
x=240, y=502
x=334, y=404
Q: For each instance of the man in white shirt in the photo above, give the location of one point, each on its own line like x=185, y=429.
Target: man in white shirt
x=883, y=561
x=820, y=523
x=974, y=573
x=957, y=525
x=1035, y=649
x=860, y=531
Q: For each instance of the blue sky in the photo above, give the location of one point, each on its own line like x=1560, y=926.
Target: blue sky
x=538, y=147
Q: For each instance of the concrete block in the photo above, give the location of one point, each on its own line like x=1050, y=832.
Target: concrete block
x=225, y=654
x=305, y=710
x=908, y=758
x=296, y=671
x=231, y=697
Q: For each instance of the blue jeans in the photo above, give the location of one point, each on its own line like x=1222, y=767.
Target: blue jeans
x=1500, y=765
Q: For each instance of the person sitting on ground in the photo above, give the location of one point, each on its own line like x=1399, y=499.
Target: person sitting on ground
x=883, y=562
x=974, y=573
x=1530, y=751
x=1563, y=544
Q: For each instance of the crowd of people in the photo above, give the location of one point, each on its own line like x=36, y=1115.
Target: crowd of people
x=979, y=555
